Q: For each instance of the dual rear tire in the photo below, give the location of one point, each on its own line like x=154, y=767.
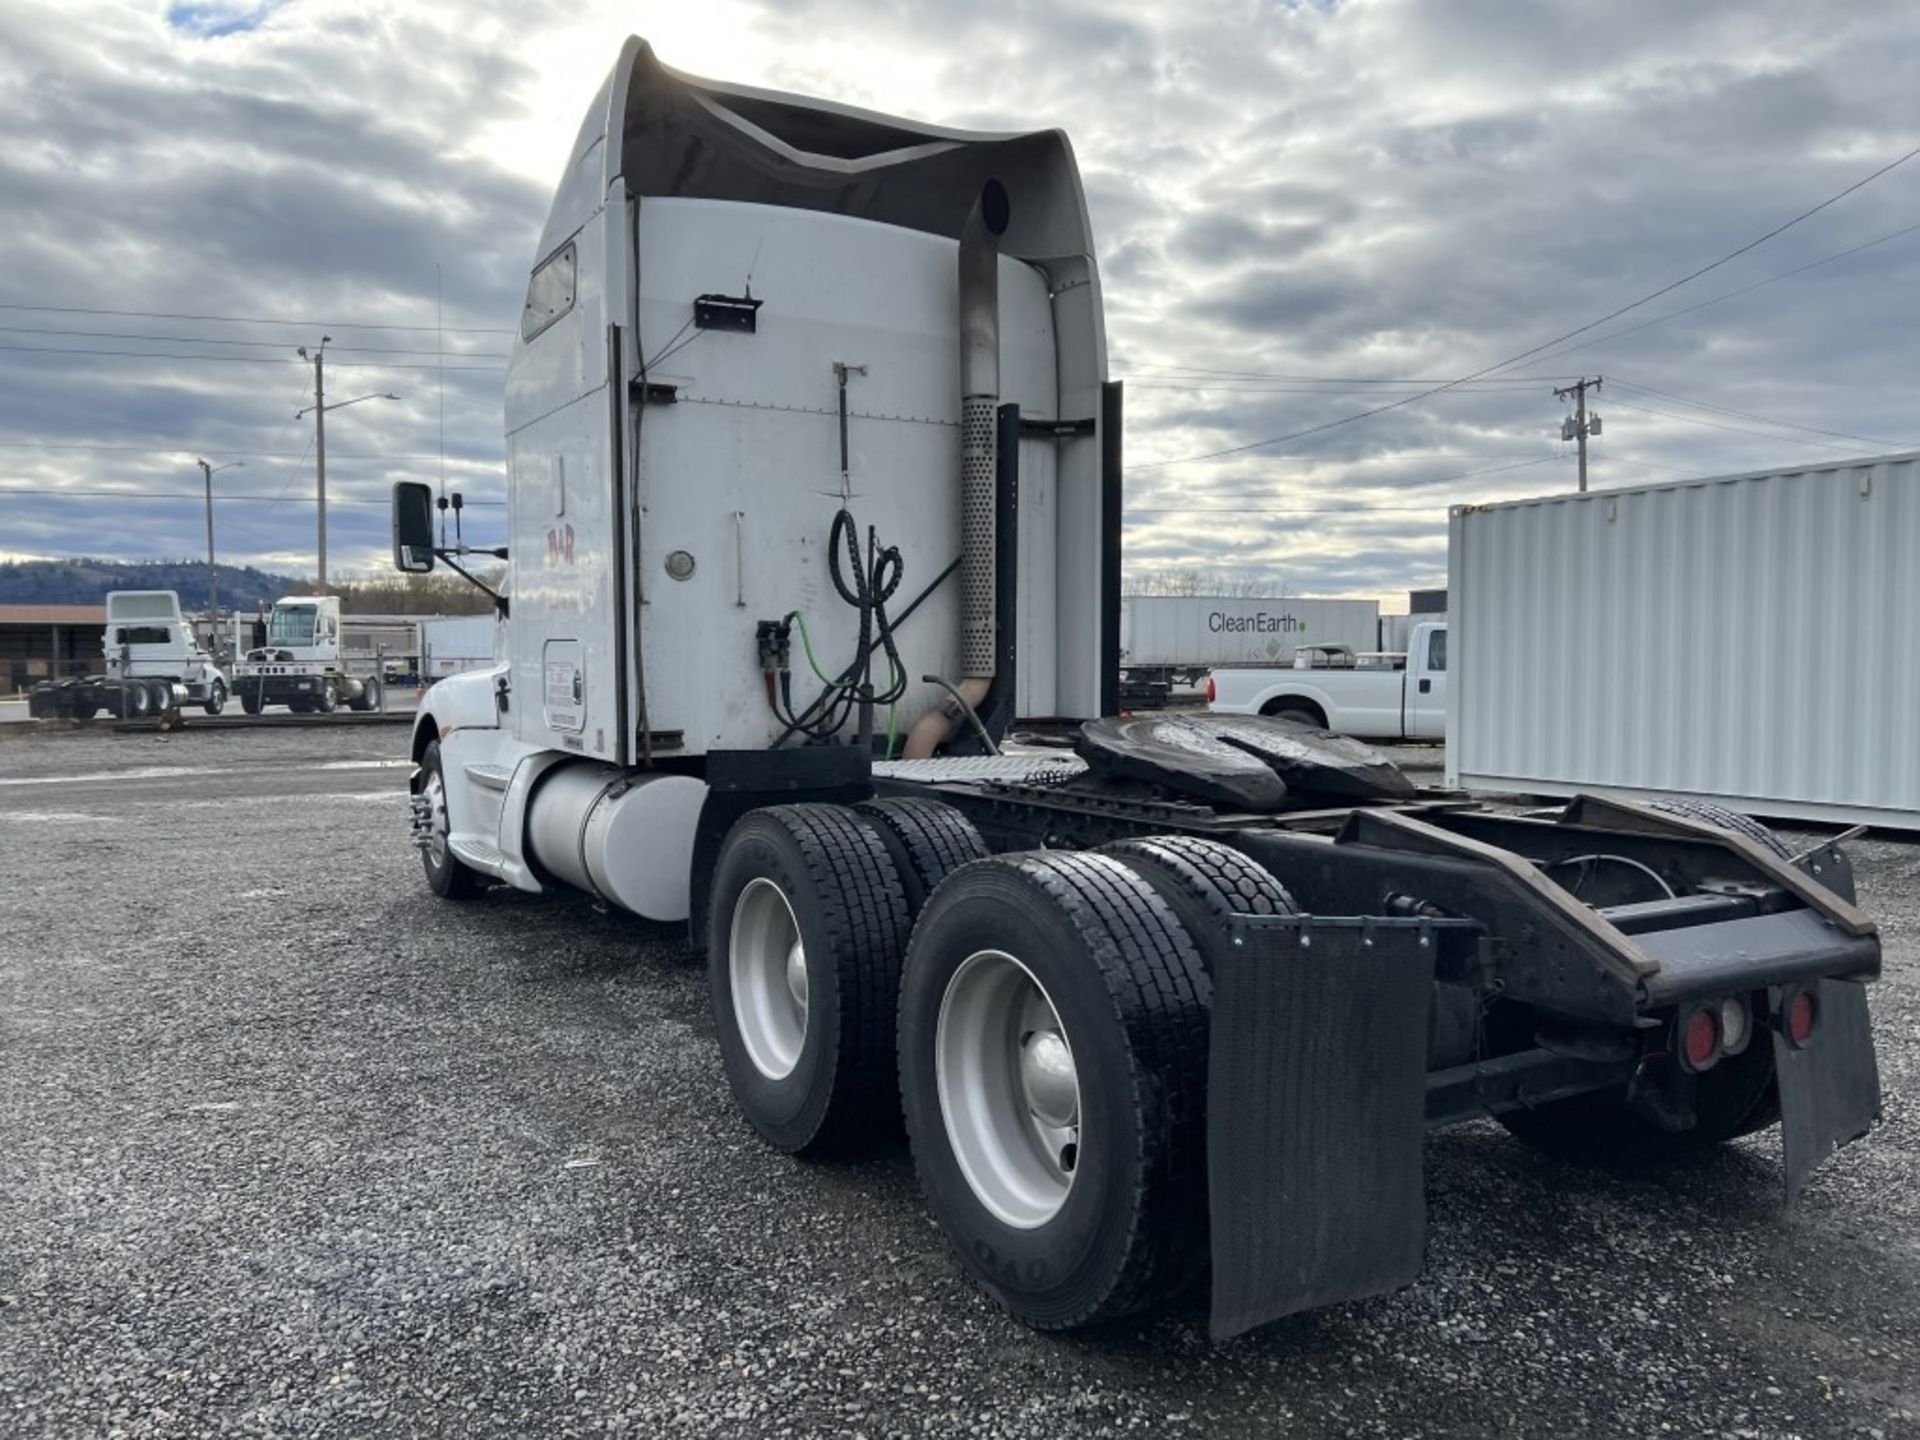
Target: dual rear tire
x=1043, y=1033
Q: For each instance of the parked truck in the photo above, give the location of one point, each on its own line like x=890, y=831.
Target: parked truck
x=301, y=664
x=1381, y=696
x=1173, y=997
x=1168, y=640
x=154, y=664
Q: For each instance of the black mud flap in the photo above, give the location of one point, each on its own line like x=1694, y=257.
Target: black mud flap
x=1830, y=1091
x=1316, y=1114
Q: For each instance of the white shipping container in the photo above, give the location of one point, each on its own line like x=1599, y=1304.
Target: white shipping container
x=1202, y=632
x=459, y=643
x=1583, y=660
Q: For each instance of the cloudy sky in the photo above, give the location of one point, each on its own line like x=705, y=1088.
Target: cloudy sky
x=1304, y=211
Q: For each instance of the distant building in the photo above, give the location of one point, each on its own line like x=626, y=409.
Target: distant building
x=49, y=642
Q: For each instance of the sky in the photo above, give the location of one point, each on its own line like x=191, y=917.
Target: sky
x=1302, y=211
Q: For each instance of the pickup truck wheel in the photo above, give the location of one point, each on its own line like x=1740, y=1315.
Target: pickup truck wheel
x=927, y=840
x=217, y=697
x=804, y=937
x=446, y=876
x=1053, y=1063
x=1205, y=884
x=328, y=700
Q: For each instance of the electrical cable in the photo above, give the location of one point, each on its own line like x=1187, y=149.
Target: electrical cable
x=1545, y=344
x=253, y=319
x=1736, y=429
x=1762, y=419
x=1732, y=294
x=240, y=344
x=242, y=359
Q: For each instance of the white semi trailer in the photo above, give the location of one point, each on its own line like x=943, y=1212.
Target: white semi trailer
x=1176, y=996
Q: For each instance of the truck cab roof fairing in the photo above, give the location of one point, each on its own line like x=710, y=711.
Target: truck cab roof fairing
x=678, y=135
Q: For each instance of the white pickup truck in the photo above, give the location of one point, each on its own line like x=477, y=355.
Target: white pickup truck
x=1398, y=698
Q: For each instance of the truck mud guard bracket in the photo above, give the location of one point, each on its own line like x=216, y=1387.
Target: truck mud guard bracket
x=1835, y=904
x=1316, y=1113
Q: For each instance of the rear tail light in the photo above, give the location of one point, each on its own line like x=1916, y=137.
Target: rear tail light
x=1699, y=1034
x=1736, y=1024
x=1799, y=1015
x=1212, y=692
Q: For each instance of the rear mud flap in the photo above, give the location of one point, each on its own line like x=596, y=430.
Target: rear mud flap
x=1830, y=1091
x=1316, y=1114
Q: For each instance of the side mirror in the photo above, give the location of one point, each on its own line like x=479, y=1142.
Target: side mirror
x=412, y=527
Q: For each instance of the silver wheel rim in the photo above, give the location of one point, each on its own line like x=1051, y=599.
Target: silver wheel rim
x=1009, y=1089
x=767, y=972
x=437, y=807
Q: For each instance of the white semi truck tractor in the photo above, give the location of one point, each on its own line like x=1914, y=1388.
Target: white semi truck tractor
x=814, y=509
x=154, y=664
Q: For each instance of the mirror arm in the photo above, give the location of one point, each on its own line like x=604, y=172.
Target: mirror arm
x=499, y=600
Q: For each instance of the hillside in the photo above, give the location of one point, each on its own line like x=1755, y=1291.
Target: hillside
x=86, y=582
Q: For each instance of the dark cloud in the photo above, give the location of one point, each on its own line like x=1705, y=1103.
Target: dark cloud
x=1379, y=190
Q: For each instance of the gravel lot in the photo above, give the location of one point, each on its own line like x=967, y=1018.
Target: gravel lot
x=287, y=1147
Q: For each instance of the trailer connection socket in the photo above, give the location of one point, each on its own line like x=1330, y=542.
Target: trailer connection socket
x=775, y=639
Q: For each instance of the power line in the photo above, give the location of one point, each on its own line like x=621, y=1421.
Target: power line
x=1358, y=509
x=1528, y=381
x=242, y=359
x=247, y=344
x=1736, y=429
x=1732, y=294
x=1545, y=344
x=59, y=492
x=1763, y=419
x=220, y=452
x=305, y=324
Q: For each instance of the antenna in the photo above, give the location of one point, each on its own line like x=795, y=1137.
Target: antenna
x=753, y=265
x=440, y=363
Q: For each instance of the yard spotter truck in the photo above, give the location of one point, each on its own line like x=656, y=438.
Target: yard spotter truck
x=813, y=643
x=300, y=665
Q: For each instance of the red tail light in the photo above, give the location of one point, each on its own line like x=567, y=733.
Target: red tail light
x=1802, y=1013
x=1212, y=693
x=1700, y=1038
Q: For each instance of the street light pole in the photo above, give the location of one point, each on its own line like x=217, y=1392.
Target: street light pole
x=213, y=574
x=319, y=410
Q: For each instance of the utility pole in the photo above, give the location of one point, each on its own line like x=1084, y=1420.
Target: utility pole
x=1580, y=425
x=319, y=410
x=213, y=574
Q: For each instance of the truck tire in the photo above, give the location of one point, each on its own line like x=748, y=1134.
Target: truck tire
x=447, y=877
x=368, y=698
x=250, y=700
x=1053, y=1067
x=805, y=931
x=1205, y=884
x=927, y=841
x=1722, y=818
x=328, y=700
x=217, y=697
x=1298, y=713
x=85, y=706
x=136, y=701
x=162, y=696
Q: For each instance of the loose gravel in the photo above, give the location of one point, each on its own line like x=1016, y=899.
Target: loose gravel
x=287, y=1147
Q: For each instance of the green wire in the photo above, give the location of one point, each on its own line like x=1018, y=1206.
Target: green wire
x=806, y=644
x=893, y=670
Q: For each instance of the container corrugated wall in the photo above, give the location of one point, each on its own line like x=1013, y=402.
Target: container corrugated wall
x=1754, y=639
